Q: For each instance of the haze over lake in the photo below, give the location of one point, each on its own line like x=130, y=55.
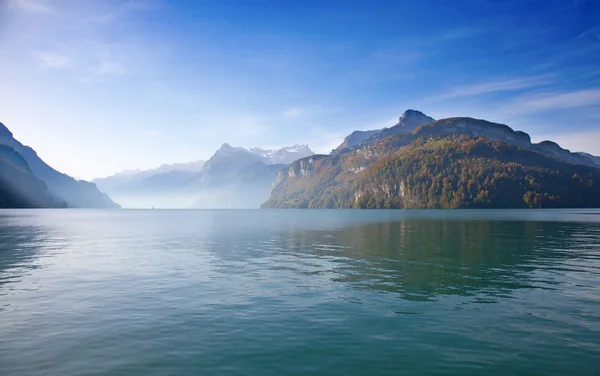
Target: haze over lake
x=271, y=292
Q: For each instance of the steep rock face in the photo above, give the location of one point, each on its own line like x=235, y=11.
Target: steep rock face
x=77, y=194
x=409, y=120
x=19, y=188
x=356, y=177
x=301, y=168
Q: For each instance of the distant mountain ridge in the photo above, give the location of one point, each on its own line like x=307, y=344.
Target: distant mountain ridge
x=145, y=179
x=234, y=177
x=76, y=194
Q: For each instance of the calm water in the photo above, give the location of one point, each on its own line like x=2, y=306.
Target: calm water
x=299, y=292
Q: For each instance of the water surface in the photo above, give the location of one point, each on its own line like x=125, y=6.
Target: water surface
x=327, y=292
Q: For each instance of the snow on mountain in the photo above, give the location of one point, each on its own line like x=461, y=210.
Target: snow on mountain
x=284, y=155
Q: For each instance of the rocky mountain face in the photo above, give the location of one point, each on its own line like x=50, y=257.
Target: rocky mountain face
x=76, y=194
x=409, y=120
x=449, y=163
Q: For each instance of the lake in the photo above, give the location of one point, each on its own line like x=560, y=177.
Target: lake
x=296, y=292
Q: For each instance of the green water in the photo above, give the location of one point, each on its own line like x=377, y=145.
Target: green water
x=156, y=292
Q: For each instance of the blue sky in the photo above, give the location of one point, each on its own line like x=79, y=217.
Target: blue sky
x=101, y=86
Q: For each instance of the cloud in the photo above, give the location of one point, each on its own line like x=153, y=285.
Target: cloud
x=460, y=33
x=512, y=84
x=591, y=33
x=100, y=19
x=152, y=133
x=51, y=60
x=291, y=113
x=240, y=127
x=141, y=5
x=108, y=66
x=88, y=79
x=573, y=99
x=33, y=6
x=76, y=37
x=94, y=67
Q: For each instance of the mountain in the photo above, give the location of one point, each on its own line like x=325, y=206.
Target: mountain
x=163, y=186
x=19, y=188
x=123, y=179
x=449, y=163
x=593, y=159
x=76, y=194
x=409, y=120
x=235, y=178
x=285, y=155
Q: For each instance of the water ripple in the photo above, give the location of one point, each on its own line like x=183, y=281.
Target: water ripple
x=320, y=292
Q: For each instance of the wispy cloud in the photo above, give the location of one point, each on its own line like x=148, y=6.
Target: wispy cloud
x=33, y=6
x=100, y=19
x=240, y=127
x=291, y=113
x=93, y=63
x=593, y=32
x=152, y=133
x=460, y=33
x=141, y=5
x=511, y=84
x=110, y=67
x=573, y=99
x=76, y=39
x=83, y=79
x=52, y=60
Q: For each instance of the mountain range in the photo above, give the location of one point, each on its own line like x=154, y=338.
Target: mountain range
x=449, y=163
x=233, y=177
x=419, y=162
x=27, y=181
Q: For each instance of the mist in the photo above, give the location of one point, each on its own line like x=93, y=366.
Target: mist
x=231, y=197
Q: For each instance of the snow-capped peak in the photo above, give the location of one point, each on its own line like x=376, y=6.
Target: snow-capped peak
x=284, y=155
